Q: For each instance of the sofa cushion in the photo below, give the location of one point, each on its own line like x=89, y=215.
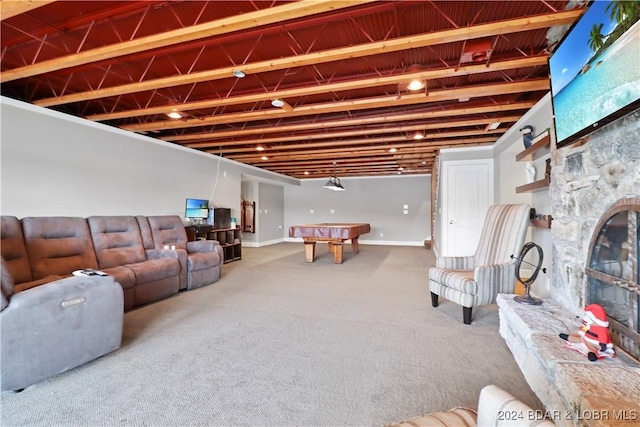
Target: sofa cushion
x=460, y=280
x=155, y=269
x=33, y=283
x=58, y=245
x=117, y=240
x=123, y=275
x=168, y=230
x=13, y=249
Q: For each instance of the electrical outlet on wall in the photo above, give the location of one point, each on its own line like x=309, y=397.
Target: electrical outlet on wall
x=310, y=211
x=381, y=234
x=332, y=211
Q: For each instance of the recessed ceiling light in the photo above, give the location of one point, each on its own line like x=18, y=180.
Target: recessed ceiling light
x=279, y=103
x=494, y=125
x=399, y=173
x=415, y=85
x=239, y=74
x=174, y=115
x=418, y=135
x=393, y=150
x=264, y=158
x=260, y=148
x=306, y=172
x=463, y=99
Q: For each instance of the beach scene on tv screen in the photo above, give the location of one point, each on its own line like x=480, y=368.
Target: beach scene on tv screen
x=596, y=69
x=196, y=208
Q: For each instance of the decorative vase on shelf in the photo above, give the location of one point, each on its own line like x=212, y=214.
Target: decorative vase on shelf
x=530, y=172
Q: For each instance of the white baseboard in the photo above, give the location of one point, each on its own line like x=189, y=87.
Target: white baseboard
x=362, y=242
x=370, y=242
x=260, y=244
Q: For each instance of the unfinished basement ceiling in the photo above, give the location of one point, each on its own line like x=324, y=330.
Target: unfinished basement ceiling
x=340, y=68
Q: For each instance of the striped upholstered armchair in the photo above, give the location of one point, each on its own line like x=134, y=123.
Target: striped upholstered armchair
x=476, y=280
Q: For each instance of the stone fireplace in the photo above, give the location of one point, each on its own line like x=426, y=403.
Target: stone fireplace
x=594, y=195
x=595, y=203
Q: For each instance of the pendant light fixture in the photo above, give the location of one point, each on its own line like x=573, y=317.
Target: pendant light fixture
x=334, y=182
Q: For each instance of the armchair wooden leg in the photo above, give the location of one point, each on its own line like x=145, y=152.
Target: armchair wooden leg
x=434, y=299
x=466, y=315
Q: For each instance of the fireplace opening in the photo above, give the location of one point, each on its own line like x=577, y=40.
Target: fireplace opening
x=613, y=274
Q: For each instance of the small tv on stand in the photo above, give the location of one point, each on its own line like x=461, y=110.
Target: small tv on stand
x=196, y=210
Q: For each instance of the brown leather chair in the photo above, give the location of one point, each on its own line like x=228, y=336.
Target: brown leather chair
x=201, y=260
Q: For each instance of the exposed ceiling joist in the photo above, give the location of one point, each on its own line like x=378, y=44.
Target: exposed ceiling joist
x=352, y=105
x=10, y=8
x=340, y=72
x=210, y=29
x=533, y=61
x=377, y=119
x=359, y=51
x=361, y=132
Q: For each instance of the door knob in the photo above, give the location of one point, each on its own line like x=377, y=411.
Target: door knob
x=452, y=222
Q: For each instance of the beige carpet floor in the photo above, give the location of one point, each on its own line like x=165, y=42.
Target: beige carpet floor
x=281, y=342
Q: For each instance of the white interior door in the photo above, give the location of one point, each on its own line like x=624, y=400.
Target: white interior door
x=467, y=194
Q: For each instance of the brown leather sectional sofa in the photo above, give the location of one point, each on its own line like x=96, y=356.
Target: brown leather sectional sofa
x=39, y=250
x=52, y=321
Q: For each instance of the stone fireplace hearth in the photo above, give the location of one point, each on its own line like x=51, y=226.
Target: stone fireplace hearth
x=573, y=390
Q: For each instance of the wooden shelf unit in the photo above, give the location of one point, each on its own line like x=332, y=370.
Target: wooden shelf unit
x=533, y=186
x=231, y=241
x=536, y=150
x=539, y=148
x=541, y=223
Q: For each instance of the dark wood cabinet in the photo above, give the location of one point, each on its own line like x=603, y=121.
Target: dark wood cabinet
x=229, y=238
x=231, y=241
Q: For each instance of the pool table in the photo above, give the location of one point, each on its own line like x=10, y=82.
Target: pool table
x=335, y=234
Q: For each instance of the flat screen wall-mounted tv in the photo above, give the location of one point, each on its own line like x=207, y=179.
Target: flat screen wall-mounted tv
x=595, y=69
x=197, y=208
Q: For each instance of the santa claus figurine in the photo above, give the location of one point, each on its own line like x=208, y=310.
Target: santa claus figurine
x=592, y=339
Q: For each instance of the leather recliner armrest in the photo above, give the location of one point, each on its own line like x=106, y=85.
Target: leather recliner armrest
x=202, y=246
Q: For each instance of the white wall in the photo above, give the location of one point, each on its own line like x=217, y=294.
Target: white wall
x=377, y=201
x=510, y=174
x=56, y=164
x=270, y=213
